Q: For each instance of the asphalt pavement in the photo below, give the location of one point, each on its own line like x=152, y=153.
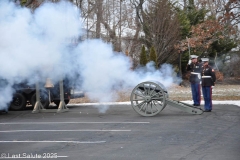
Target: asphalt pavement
x=83, y=133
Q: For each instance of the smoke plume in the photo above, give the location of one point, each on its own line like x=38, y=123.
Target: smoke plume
x=35, y=45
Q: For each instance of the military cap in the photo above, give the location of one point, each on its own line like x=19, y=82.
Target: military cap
x=205, y=59
x=193, y=56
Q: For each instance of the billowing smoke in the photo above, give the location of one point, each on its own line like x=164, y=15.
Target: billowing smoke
x=35, y=45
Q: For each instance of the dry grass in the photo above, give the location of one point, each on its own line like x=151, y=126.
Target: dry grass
x=178, y=93
x=220, y=92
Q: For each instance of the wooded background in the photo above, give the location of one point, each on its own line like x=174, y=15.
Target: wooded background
x=164, y=31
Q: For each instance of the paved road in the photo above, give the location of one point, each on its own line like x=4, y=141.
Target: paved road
x=121, y=134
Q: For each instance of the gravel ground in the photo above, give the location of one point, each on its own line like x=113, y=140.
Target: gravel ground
x=227, y=90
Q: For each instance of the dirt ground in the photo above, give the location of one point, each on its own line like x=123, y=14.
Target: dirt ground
x=229, y=89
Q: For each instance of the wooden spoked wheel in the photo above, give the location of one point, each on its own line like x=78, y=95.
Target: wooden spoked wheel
x=148, y=98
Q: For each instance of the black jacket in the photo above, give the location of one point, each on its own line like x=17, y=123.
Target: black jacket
x=208, y=76
x=195, y=69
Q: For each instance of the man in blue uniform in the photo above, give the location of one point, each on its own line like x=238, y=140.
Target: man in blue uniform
x=208, y=80
x=195, y=78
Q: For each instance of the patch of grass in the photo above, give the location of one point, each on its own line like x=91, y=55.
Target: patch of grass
x=221, y=92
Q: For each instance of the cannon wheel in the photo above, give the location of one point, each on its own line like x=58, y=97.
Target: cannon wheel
x=148, y=99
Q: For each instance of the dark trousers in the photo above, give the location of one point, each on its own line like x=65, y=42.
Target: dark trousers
x=207, y=95
x=196, y=93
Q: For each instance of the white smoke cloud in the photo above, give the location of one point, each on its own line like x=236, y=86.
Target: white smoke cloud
x=4, y=100
x=33, y=46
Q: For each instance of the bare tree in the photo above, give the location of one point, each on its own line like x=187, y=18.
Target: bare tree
x=160, y=27
x=228, y=11
x=128, y=25
x=164, y=28
x=99, y=12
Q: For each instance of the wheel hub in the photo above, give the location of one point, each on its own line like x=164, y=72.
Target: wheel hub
x=148, y=98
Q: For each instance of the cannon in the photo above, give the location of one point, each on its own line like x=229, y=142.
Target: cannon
x=151, y=97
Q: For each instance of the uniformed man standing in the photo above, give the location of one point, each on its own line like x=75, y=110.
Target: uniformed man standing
x=208, y=80
x=195, y=78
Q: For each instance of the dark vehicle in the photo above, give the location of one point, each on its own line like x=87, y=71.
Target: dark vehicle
x=25, y=95
x=3, y=84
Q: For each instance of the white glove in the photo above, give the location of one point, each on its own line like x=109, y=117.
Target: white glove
x=189, y=62
x=212, y=88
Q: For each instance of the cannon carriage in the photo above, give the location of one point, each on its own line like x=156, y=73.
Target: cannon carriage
x=151, y=97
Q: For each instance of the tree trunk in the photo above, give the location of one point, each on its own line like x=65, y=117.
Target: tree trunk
x=99, y=6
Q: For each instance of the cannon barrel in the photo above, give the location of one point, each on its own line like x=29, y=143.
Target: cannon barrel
x=151, y=97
